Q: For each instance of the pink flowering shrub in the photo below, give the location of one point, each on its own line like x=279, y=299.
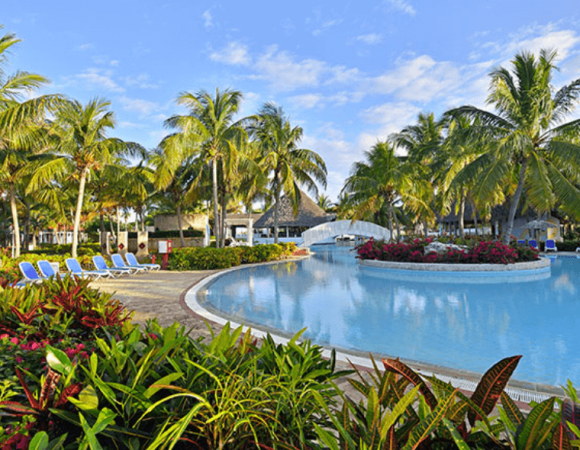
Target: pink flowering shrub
x=480, y=252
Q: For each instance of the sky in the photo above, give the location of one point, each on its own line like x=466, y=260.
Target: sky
x=349, y=73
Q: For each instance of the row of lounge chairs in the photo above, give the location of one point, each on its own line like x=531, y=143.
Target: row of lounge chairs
x=119, y=268
x=550, y=244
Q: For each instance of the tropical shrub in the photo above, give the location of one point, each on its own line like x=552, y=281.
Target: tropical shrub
x=401, y=409
x=480, y=252
x=209, y=258
x=131, y=388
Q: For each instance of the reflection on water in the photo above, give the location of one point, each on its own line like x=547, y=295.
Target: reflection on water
x=461, y=325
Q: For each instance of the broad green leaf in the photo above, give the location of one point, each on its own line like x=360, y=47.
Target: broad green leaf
x=58, y=361
x=153, y=389
x=536, y=427
x=399, y=409
x=88, y=399
x=39, y=441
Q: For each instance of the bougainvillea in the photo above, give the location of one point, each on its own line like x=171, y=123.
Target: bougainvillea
x=481, y=252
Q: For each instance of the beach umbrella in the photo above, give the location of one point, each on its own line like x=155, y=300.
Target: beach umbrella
x=540, y=225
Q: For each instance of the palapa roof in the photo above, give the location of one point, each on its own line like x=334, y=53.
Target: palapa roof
x=241, y=219
x=309, y=214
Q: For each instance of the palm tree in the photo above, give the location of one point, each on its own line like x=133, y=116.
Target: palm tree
x=209, y=130
x=83, y=148
x=21, y=127
x=289, y=165
x=177, y=183
x=527, y=146
x=422, y=143
x=324, y=202
x=377, y=184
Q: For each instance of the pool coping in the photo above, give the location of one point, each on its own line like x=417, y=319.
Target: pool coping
x=523, y=391
x=472, y=268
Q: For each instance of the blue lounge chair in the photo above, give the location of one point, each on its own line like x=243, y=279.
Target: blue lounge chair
x=75, y=268
x=29, y=272
x=533, y=243
x=521, y=241
x=120, y=263
x=100, y=264
x=46, y=269
x=550, y=245
x=132, y=260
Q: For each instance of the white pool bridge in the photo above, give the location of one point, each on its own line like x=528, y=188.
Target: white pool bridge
x=340, y=227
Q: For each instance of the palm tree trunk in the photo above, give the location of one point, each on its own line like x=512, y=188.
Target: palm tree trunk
x=102, y=223
x=461, y=216
x=181, y=237
x=276, y=212
x=77, y=221
x=27, y=227
x=15, y=225
x=425, y=229
x=398, y=225
x=216, y=220
x=514, y=204
x=142, y=219
x=224, y=205
x=118, y=222
x=391, y=221
x=475, y=220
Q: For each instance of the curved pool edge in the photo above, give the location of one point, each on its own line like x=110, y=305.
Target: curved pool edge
x=477, y=269
x=519, y=390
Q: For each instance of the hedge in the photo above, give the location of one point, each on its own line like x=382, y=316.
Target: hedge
x=209, y=258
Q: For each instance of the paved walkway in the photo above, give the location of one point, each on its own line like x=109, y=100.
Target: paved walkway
x=157, y=295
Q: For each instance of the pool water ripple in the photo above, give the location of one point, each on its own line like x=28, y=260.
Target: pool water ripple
x=447, y=321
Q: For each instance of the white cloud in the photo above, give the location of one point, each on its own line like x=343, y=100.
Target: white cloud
x=142, y=107
x=370, y=39
x=420, y=79
x=326, y=25
x=306, y=101
x=392, y=118
x=100, y=79
x=403, y=6
x=207, y=19
x=235, y=53
x=84, y=47
x=281, y=69
x=114, y=62
x=140, y=81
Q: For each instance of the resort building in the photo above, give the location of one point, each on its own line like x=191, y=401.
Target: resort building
x=290, y=226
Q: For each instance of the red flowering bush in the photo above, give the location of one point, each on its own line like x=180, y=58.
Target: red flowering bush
x=480, y=252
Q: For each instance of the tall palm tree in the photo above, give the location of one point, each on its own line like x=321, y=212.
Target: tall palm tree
x=289, y=165
x=21, y=127
x=208, y=128
x=83, y=148
x=324, y=202
x=527, y=146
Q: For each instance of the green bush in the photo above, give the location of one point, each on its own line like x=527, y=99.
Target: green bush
x=209, y=258
x=87, y=248
x=568, y=245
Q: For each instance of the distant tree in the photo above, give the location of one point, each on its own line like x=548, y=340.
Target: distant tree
x=289, y=166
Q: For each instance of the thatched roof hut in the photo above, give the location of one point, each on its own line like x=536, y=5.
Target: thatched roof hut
x=309, y=214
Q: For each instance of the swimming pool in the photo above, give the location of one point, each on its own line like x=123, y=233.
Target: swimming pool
x=451, y=321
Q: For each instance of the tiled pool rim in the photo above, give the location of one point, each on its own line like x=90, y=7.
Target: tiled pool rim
x=519, y=390
x=543, y=263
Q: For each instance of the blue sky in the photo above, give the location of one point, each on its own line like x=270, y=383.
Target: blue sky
x=348, y=72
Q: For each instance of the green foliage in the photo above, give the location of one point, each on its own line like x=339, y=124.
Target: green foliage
x=400, y=410
x=209, y=258
x=86, y=249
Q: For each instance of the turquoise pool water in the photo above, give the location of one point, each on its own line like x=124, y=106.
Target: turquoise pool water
x=452, y=321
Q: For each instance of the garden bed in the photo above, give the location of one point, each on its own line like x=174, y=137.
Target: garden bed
x=444, y=267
